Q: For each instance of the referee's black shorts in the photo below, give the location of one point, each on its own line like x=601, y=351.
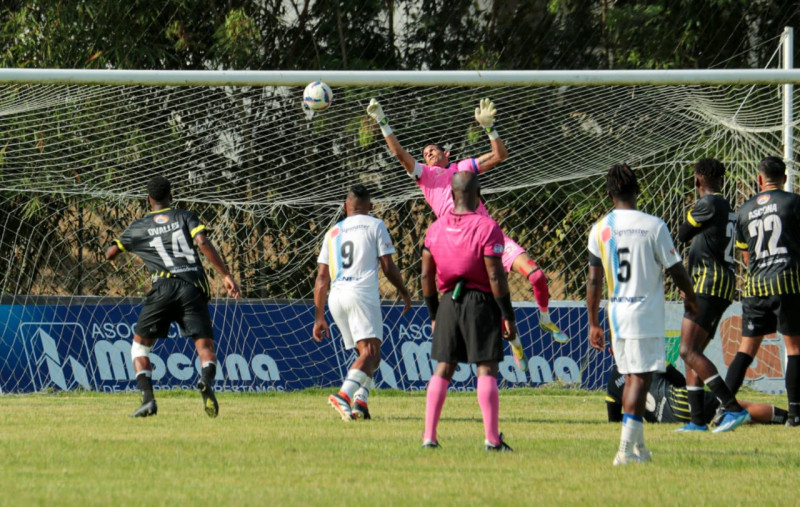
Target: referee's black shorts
x=172, y=300
x=468, y=331
x=710, y=313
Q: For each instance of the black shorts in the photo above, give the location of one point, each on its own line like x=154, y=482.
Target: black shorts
x=175, y=301
x=766, y=314
x=468, y=331
x=711, y=310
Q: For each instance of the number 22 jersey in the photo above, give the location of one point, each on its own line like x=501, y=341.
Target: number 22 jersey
x=634, y=249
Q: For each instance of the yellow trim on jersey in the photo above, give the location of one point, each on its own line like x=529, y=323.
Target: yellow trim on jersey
x=604, y=260
x=741, y=246
x=609, y=399
x=331, y=258
x=159, y=211
x=197, y=229
x=120, y=245
x=691, y=220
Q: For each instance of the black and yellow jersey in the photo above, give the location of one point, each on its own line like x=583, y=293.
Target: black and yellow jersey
x=712, y=223
x=164, y=241
x=768, y=228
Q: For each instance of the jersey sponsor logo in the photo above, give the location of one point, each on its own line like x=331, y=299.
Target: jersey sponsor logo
x=772, y=208
x=763, y=199
x=161, y=219
x=498, y=248
x=605, y=234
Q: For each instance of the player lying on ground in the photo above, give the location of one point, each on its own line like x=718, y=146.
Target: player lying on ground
x=348, y=262
x=668, y=399
x=433, y=178
x=165, y=240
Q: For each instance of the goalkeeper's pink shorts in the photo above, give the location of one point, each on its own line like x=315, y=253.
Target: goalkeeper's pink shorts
x=511, y=251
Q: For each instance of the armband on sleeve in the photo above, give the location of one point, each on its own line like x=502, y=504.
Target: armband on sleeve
x=432, y=302
x=506, y=310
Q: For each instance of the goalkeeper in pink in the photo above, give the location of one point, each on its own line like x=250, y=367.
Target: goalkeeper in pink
x=433, y=178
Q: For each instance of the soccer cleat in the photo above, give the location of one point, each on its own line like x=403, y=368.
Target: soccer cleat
x=691, y=427
x=430, y=444
x=718, y=416
x=731, y=421
x=209, y=399
x=501, y=447
x=792, y=421
x=341, y=404
x=520, y=359
x=360, y=411
x=627, y=458
x=551, y=328
x=146, y=409
x=643, y=452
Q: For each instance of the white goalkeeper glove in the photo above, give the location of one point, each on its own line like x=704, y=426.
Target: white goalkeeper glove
x=375, y=110
x=484, y=114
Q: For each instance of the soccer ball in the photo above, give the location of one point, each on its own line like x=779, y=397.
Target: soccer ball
x=317, y=96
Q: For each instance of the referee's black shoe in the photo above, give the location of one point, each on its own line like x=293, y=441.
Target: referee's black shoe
x=147, y=409
x=209, y=400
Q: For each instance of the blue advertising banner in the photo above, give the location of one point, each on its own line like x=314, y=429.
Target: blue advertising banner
x=84, y=343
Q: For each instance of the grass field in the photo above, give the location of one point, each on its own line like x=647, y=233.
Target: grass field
x=292, y=449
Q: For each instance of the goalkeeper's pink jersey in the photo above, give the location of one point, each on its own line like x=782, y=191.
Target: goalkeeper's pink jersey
x=435, y=185
x=458, y=243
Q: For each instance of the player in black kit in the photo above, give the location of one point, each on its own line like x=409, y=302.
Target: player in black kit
x=709, y=226
x=165, y=240
x=768, y=232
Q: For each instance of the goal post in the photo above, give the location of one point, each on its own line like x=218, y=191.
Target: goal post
x=268, y=178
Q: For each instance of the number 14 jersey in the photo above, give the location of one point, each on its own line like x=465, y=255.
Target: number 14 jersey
x=634, y=248
x=352, y=249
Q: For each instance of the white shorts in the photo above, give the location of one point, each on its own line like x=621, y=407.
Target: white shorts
x=640, y=355
x=358, y=317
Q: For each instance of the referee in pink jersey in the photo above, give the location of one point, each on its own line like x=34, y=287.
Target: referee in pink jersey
x=463, y=252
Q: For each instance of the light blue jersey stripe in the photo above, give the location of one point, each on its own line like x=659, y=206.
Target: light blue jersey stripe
x=614, y=259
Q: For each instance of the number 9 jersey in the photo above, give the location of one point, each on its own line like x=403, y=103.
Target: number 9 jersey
x=633, y=248
x=164, y=241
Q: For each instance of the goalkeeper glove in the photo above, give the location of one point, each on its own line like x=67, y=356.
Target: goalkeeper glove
x=484, y=114
x=375, y=110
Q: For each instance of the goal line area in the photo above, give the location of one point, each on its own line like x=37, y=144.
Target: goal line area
x=268, y=178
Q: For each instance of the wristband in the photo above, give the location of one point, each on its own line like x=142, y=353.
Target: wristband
x=385, y=128
x=506, y=310
x=492, y=132
x=432, y=302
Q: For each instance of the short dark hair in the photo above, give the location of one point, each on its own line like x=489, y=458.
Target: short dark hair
x=359, y=191
x=431, y=144
x=159, y=189
x=772, y=168
x=621, y=182
x=709, y=168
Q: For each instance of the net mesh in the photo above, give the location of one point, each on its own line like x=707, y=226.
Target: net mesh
x=268, y=178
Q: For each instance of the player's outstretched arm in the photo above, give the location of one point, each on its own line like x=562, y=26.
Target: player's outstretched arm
x=392, y=273
x=594, y=292
x=684, y=283
x=499, y=283
x=207, y=247
x=375, y=111
x=112, y=252
x=321, y=284
x=484, y=115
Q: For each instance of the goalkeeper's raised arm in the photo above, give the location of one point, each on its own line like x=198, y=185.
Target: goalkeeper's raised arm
x=484, y=115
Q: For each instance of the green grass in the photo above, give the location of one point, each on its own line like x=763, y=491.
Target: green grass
x=292, y=449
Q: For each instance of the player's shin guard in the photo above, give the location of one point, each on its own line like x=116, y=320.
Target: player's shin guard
x=434, y=401
x=696, y=395
x=737, y=370
x=489, y=400
x=144, y=381
x=208, y=372
x=793, y=384
x=540, y=292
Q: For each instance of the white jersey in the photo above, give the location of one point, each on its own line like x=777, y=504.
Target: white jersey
x=352, y=249
x=634, y=248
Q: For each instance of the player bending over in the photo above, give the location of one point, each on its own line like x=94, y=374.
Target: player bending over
x=165, y=240
x=709, y=226
x=433, y=178
x=668, y=398
x=348, y=262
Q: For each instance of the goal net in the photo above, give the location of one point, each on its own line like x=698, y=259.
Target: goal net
x=269, y=178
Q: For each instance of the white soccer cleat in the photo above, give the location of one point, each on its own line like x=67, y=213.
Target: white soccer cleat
x=643, y=452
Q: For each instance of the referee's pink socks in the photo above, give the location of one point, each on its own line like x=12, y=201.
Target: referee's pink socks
x=489, y=400
x=437, y=392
